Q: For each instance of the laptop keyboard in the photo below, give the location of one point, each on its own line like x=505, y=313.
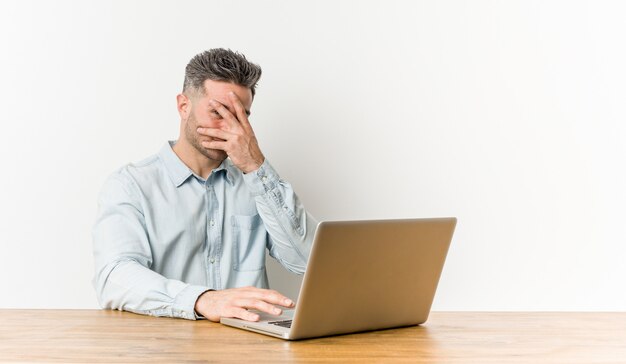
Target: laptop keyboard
x=284, y=323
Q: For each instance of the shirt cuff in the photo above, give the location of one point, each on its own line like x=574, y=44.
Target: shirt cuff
x=185, y=302
x=264, y=179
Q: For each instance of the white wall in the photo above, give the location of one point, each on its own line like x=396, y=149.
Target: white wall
x=507, y=114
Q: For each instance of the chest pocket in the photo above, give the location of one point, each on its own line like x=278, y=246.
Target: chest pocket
x=249, y=239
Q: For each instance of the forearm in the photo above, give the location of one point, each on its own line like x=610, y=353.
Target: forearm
x=127, y=285
x=290, y=227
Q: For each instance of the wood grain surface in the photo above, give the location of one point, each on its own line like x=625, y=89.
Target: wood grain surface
x=102, y=336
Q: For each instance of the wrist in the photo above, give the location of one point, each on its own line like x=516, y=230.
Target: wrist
x=254, y=165
x=196, y=307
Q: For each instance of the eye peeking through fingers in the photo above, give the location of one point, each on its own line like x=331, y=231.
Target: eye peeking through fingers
x=214, y=114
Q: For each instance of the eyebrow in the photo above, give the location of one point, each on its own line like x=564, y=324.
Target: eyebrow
x=234, y=113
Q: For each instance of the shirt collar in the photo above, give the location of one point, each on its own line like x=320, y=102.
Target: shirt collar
x=179, y=172
x=230, y=170
x=225, y=168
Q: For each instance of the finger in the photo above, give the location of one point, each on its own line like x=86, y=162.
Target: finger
x=259, y=305
x=243, y=314
x=271, y=296
x=227, y=116
x=215, y=144
x=215, y=133
x=240, y=110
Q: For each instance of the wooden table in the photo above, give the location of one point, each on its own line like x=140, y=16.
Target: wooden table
x=95, y=336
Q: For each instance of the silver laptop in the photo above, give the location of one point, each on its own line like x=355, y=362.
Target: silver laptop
x=361, y=276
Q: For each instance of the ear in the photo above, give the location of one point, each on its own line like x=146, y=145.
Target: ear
x=183, y=104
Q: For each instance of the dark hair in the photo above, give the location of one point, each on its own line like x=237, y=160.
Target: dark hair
x=220, y=64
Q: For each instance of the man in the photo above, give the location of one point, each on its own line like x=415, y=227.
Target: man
x=184, y=232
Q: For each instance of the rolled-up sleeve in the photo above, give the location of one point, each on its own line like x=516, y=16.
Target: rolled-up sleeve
x=123, y=279
x=290, y=227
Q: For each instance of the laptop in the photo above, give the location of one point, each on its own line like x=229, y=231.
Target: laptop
x=362, y=276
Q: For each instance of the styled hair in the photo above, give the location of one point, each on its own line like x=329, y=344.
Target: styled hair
x=220, y=64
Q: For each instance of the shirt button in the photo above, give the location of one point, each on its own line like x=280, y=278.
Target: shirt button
x=212, y=222
x=264, y=179
x=212, y=260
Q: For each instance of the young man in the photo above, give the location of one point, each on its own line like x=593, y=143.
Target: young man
x=184, y=232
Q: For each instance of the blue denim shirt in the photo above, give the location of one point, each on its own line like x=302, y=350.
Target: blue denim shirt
x=164, y=235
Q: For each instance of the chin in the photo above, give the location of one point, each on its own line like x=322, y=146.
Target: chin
x=214, y=154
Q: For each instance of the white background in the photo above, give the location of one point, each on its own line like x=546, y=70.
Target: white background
x=506, y=114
